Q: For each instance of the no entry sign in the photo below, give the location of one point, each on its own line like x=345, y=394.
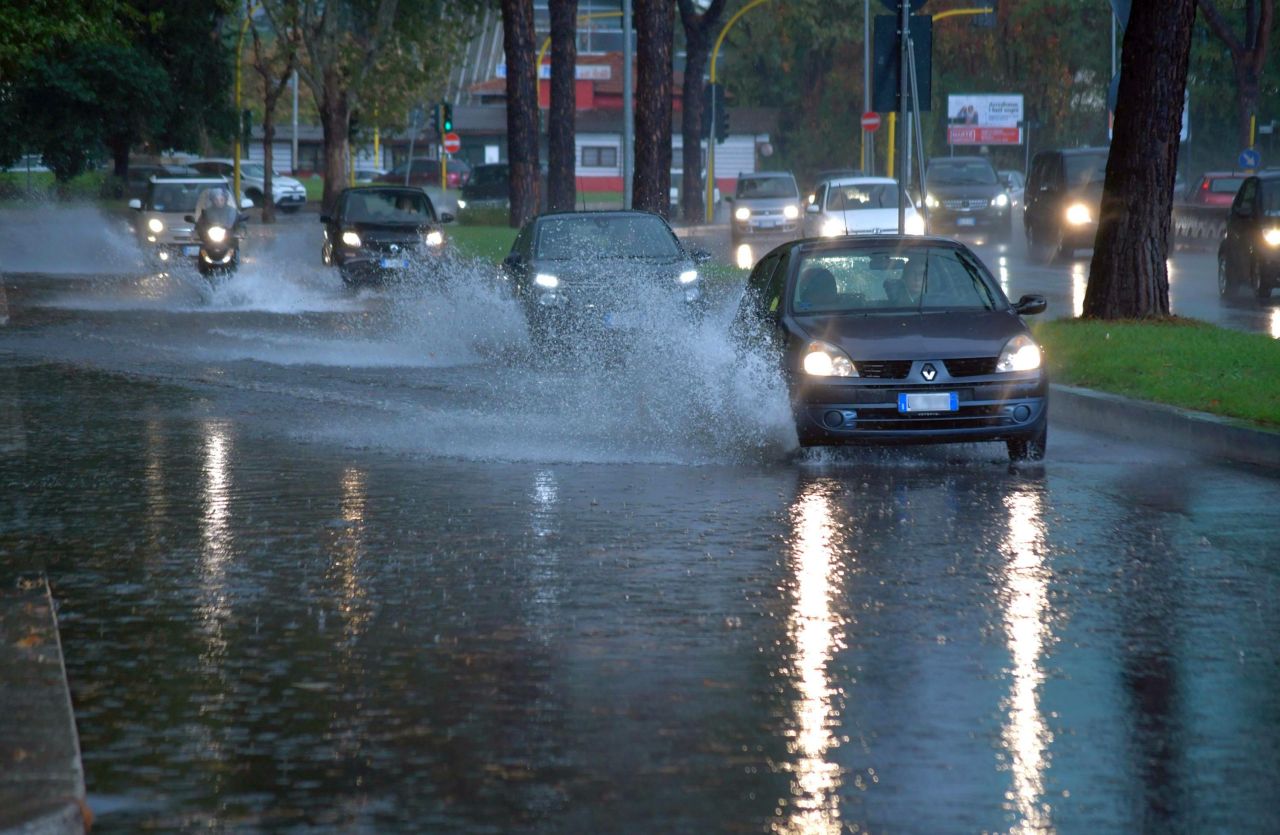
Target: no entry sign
x=452, y=143
x=870, y=121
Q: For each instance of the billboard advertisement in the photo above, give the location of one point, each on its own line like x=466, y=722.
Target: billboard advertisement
x=984, y=119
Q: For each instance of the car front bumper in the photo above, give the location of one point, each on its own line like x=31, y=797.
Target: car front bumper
x=867, y=412
x=984, y=220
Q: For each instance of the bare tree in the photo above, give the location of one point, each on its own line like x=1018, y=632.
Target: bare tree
x=522, y=109
x=655, y=33
x=274, y=65
x=699, y=30
x=1248, y=55
x=561, y=182
x=1128, y=278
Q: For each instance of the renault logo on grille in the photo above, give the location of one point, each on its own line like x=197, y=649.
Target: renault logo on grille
x=928, y=371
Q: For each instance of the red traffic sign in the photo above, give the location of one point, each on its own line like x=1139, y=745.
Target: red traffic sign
x=870, y=121
x=452, y=143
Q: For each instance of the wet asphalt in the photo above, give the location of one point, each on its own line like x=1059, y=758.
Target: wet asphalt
x=363, y=562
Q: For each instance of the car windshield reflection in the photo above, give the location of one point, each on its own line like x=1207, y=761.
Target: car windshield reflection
x=591, y=236
x=869, y=281
x=387, y=207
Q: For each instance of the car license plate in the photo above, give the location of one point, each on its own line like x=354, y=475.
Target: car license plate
x=393, y=263
x=966, y=221
x=940, y=401
x=191, y=251
x=767, y=224
x=620, y=320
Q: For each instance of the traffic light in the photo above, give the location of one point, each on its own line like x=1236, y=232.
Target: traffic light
x=435, y=118
x=446, y=117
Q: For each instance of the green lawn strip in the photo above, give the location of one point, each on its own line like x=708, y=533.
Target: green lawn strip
x=1179, y=362
x=491, y=243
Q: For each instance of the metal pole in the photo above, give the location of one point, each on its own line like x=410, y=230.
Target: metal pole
x=628, y=107
x=293, y=160
x=867, y=136
x=903, y=31
x=1113, y=44
x=915, y=110
x=709, y=212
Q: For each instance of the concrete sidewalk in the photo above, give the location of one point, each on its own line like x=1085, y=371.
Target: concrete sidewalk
x=41, y=777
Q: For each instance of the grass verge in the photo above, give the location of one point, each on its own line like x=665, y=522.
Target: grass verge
x=1179, y=362
x=488, y=242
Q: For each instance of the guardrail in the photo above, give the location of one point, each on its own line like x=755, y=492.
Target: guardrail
x=1200, y=226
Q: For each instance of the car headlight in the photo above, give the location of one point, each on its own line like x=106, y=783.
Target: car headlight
x=822, y=359
x=351, y=239
x=1002, y=200
x=832, y=227
x=742, y=213
x=546, y=280
x=688, y=276
x=1272, y=237
x=1078, y=214
x=1020, y=354
x=462, y=204
x=434, y=238
x=217, y=234
x=914, y=225
x=155, y=225
x=931, y=201
x=790, y=212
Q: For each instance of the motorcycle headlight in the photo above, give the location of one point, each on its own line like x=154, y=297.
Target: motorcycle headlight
x=546, y=281
x=821, y=359
x=217, y=234
x=351, y=239
x=1020, y=354
x=914, y=225
x=742, y=213
x=688, y=276
x=1078, y=214
x=790, y=212
x=1002, y=200
x=931, y=201
x=155, y=225
x=435, y=238
x=831, y=228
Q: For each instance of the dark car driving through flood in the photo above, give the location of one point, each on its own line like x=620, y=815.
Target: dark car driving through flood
x=377, y=232
x=582, y=273
x=897, y=339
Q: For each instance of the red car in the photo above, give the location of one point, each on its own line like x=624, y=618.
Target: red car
x=1217, y=188
x=426, y=172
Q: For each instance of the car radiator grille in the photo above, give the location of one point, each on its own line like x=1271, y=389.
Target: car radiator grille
x=969, y=417
x=884, y=369
x=965, y=205
x=971, y=366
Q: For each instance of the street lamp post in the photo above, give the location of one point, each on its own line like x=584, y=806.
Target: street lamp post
x=235, y=162
x=711, y=138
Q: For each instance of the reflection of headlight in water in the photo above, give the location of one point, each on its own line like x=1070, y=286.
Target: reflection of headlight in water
x=164, y=256
x=434, y=238
x=217, y=234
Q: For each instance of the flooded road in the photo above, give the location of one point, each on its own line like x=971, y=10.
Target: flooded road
x=364, y=562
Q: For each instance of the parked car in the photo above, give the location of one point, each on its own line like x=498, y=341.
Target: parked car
x=1249, y=255
x=366, y=174
x=581, y=274
x=28, y=162
x=138, y=178
x=287, y=194
x=425, y=171
x=963, y=195
x=897, y=339
x=1014, y=185
x=857, y=206
x=1216, y=188
x=378, y=232
x=765, y=202
x=1064, y=192
x=161, y=226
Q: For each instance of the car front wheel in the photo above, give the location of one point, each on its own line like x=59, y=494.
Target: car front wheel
x=1032, y=448
x=1261, y=288
x=1224, y=278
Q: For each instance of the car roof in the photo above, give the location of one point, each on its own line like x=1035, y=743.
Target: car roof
x=160, y=178
x=601, y=213
x=383, y=187
x=868, y=241
x=858, y=180
x=761, y=175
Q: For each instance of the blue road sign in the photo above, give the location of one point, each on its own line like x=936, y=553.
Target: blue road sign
x=1249, y=158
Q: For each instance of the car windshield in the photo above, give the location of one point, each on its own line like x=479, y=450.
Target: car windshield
x=866, y=281
x=604, y=236
x=488, y=175
x=253, y=169
x=1270, y=198
x=767, y=187
x=1086, y=169
x=958, y=173
x=387, y=207
x=174, y=197
x=865, y=196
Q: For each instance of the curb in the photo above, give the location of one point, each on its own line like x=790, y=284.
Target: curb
x=1200, y=433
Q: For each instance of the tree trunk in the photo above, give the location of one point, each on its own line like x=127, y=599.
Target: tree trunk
x=1128, y=278
x=655, y=32
x=698, y=31
x=335, y=119
x=268, y=158
x=561, y=180
x=1248, y=56
x=120, y=158
x=522, y=109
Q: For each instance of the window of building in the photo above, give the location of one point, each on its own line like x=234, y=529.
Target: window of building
x=599, y=156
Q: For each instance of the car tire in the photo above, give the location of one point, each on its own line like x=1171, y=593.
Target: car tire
x=1225, y=285
x=1261, y=289
x=254, y=195
x=1030, y=448
x=326, y=254
x=289, y=209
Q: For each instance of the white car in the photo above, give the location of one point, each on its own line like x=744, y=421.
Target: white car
x=857, y=206
x=287, y=193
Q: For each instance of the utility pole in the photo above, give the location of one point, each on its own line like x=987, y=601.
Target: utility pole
x=868, y=138
x=903, y=150
x=293, y=161
x=628, y=107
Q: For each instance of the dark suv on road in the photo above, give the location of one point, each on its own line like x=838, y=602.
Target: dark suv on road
x=964, y=195
x=1063, y=194
x=1249, y=255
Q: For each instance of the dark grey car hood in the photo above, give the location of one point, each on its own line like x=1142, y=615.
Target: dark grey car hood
x=918, y=336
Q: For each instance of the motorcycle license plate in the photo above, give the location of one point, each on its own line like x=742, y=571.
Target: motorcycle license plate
x=393, y=263
x=191, y=251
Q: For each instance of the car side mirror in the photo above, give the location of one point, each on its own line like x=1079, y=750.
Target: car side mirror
x=447, y=217
x=189, y=218
x=325, y=219
x=1029, y=305
x=135, y=204
x=512, y=260
x=699, y=256
x=812, y=209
